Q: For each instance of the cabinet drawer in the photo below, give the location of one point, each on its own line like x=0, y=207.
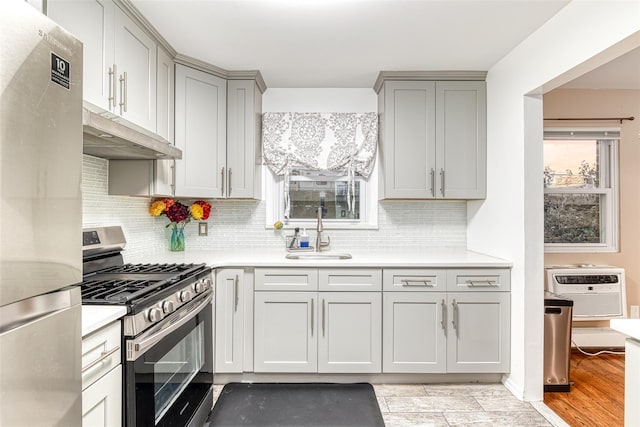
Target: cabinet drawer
x=101, y=352
x=286, y=279
x=350, y=279
x=479, y=280
x=414, y=279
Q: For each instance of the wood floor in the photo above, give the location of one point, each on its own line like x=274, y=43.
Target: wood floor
x=597, y=393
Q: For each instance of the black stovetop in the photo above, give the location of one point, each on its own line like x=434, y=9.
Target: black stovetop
x=129, y=283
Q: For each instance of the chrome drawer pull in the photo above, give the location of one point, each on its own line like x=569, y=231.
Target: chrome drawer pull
x=481, y=283
x=415, y=282
x=103, y=358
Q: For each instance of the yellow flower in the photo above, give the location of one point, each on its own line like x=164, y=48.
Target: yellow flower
x=196, y=211
x=157, y=208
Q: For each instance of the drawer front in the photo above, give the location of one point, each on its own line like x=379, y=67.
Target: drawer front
x=286, y=279
x=414, y=280
x=350, y=279
x=479, y=280
x=101, y=352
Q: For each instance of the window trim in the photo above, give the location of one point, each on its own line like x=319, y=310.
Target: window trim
x=274, y=195
x=609, y=173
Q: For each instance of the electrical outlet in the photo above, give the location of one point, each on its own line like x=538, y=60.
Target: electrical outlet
x=635, y=312
x=203, y=229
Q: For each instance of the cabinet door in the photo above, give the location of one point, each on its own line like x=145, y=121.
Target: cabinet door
x=243, y=142
x=285, y=331
x=102, y=401
x=414, y=332
x=135, y=57
x=165, y=101
x=478, y=336
x=229, y=315
x=200, y=133
x=461, y=140
x=409, y=143
x=91, y=21
x=350, y=338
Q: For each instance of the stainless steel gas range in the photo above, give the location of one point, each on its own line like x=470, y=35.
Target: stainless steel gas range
x=167, y=331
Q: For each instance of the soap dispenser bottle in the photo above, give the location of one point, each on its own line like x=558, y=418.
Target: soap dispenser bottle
x=304, y=239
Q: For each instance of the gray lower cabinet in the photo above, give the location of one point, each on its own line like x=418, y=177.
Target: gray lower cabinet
x=479, y=333
x=229, y=323
x=414, y=332
x=318, y=320
x=285, y=332
x=463, y=330
x=324, y=332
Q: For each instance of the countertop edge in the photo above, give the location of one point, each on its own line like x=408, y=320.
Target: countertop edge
x=629, y=327
x=95, y=317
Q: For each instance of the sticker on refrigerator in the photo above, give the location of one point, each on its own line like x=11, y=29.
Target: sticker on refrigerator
x=60, y=71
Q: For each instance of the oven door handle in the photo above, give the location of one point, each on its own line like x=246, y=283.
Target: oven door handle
x=138, y=346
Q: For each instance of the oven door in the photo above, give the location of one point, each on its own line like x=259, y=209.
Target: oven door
x=169, y=369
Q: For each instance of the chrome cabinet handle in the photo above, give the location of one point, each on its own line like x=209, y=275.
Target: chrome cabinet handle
x=412, y=282
x=454, y=321
x=112, y=86
x=173, y=177
x=433, y=182
x=235, y=294
x=104, y=356
x=312, y=316
x=229, y=184
x=442, y=182
x=222, y=187
x=443, y=322
x=323, y=316
x=478, y=283
x=126, y=92
x=121, y=103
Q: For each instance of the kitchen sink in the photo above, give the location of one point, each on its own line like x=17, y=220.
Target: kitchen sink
x=319, y=255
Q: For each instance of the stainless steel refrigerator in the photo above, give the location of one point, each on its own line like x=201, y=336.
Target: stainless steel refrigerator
x=40, y=220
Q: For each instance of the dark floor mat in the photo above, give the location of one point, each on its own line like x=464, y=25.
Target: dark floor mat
x=242, y=404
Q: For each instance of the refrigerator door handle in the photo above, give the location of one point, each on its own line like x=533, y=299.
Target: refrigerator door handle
x=26, y=311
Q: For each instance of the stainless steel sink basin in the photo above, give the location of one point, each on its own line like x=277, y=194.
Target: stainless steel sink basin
x=319, y=255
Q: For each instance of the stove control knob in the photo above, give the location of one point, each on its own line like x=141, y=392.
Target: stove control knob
x=198, y=287
x=185, y=296
x=208, y=283
x=168, y=307
x=154, y=314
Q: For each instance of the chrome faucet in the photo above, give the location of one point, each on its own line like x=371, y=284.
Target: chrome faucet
x=319, y=228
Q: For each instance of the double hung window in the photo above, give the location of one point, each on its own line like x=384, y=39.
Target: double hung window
x=580, y=190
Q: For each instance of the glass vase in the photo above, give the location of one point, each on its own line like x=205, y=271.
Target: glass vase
x=177, y=240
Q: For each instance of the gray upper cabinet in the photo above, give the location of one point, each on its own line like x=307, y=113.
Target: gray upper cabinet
x=461, y=140
x=244, y=109
x=408, y=140
x=432, y=139
x=119, y=58
x=200, y=126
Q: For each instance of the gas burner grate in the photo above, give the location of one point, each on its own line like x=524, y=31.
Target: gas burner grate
x=116, y=291
x=153, y=268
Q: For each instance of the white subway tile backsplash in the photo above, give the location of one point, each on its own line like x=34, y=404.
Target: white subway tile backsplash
x=240, y=223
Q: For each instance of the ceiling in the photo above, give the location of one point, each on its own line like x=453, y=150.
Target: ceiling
x=345, y=43
x=621, y=73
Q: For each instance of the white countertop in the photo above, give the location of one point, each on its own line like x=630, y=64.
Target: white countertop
x=410, y=258
x=95, y=317
x=630, y=327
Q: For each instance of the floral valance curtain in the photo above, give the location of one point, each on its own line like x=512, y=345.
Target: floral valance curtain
x=320, y=141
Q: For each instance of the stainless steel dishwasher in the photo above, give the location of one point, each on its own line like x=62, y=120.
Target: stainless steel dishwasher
x=557, y=342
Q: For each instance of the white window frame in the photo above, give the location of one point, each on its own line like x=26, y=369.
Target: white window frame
x=274, y=195
x=609, y=174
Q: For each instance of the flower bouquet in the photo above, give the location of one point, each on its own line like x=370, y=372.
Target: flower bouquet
x=179, y=214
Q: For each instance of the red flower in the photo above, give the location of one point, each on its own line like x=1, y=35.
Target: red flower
x=177, y=212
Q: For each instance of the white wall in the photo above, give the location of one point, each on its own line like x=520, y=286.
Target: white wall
x=582, y=36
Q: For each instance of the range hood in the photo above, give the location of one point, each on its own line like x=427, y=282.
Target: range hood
x=119, y=139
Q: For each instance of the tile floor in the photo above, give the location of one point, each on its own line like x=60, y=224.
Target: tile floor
x=436, y=405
